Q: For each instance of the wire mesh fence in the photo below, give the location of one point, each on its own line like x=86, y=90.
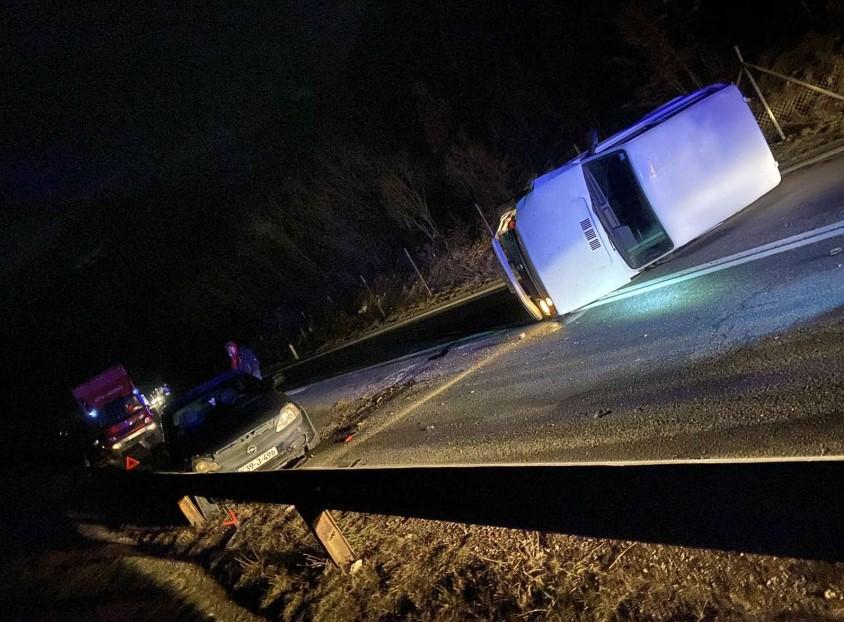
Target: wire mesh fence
x=789, y=102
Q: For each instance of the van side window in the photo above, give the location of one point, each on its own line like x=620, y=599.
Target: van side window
x=624, y=210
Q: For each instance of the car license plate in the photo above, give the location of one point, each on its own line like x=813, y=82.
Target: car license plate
x=264, y=457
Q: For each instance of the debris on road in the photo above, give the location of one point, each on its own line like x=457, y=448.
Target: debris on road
x=350, y=417
x=833, y=252
x=357, y=565
x=602, y=413
x=440, y=354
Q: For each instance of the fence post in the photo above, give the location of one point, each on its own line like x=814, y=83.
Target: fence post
x=377, y=303
x=486, y=224
x=328, y=534
x=759, y=93
x=419, y=274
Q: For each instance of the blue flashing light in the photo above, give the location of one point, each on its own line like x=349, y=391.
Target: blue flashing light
x=93, y=414
x=136, y=390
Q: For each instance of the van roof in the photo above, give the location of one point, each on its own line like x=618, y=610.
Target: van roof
x=654, y=117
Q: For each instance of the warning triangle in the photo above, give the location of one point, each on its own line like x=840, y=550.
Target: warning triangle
x=131, y=463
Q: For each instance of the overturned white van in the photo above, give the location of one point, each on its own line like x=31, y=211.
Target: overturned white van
x=588, y=227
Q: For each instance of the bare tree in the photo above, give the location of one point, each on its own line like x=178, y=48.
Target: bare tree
x=486, y=177
x=671, y=71
x=435, y=116
x=402, y=192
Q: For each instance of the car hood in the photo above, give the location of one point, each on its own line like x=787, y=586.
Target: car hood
x=255, y=414
x=240, y=420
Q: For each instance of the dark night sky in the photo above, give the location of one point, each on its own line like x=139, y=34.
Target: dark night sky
x=104, y=97
x=167, y=127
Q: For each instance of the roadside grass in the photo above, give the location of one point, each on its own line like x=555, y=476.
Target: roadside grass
x=416, y=569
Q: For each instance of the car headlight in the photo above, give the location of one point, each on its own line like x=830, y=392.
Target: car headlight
x=205, y=465
x=286, y=416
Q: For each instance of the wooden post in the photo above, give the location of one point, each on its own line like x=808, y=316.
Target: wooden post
x=197, y=510
x=328, y=534
x=419, y=274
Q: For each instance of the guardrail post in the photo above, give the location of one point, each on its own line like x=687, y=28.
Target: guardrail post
x=197, y=509
x=328, y=534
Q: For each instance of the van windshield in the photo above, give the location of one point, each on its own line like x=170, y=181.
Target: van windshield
x=518, y=263
x=624, y=210
x=121, y=408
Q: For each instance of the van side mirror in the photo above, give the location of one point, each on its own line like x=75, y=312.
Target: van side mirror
x=594, y=139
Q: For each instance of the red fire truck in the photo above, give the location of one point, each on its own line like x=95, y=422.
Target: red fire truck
x=118, y=413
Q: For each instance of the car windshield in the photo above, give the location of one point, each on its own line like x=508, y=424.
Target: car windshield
x=210, y=416
x=624, y=210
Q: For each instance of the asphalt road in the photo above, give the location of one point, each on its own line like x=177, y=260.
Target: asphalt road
x=742, y=358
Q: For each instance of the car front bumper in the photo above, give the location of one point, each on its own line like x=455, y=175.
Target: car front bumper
x=291, y=444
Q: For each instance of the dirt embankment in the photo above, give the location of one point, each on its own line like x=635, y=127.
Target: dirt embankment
x=427, y=570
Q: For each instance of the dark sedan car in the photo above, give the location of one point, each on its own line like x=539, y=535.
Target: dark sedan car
x=236, y=422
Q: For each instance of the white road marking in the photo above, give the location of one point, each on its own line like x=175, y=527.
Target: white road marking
x=417, y=353
x=724, y=263
x=760, y=252
x=369, y=431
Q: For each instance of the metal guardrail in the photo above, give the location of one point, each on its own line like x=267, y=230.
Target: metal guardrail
x=392, y=326
x=781, y=507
